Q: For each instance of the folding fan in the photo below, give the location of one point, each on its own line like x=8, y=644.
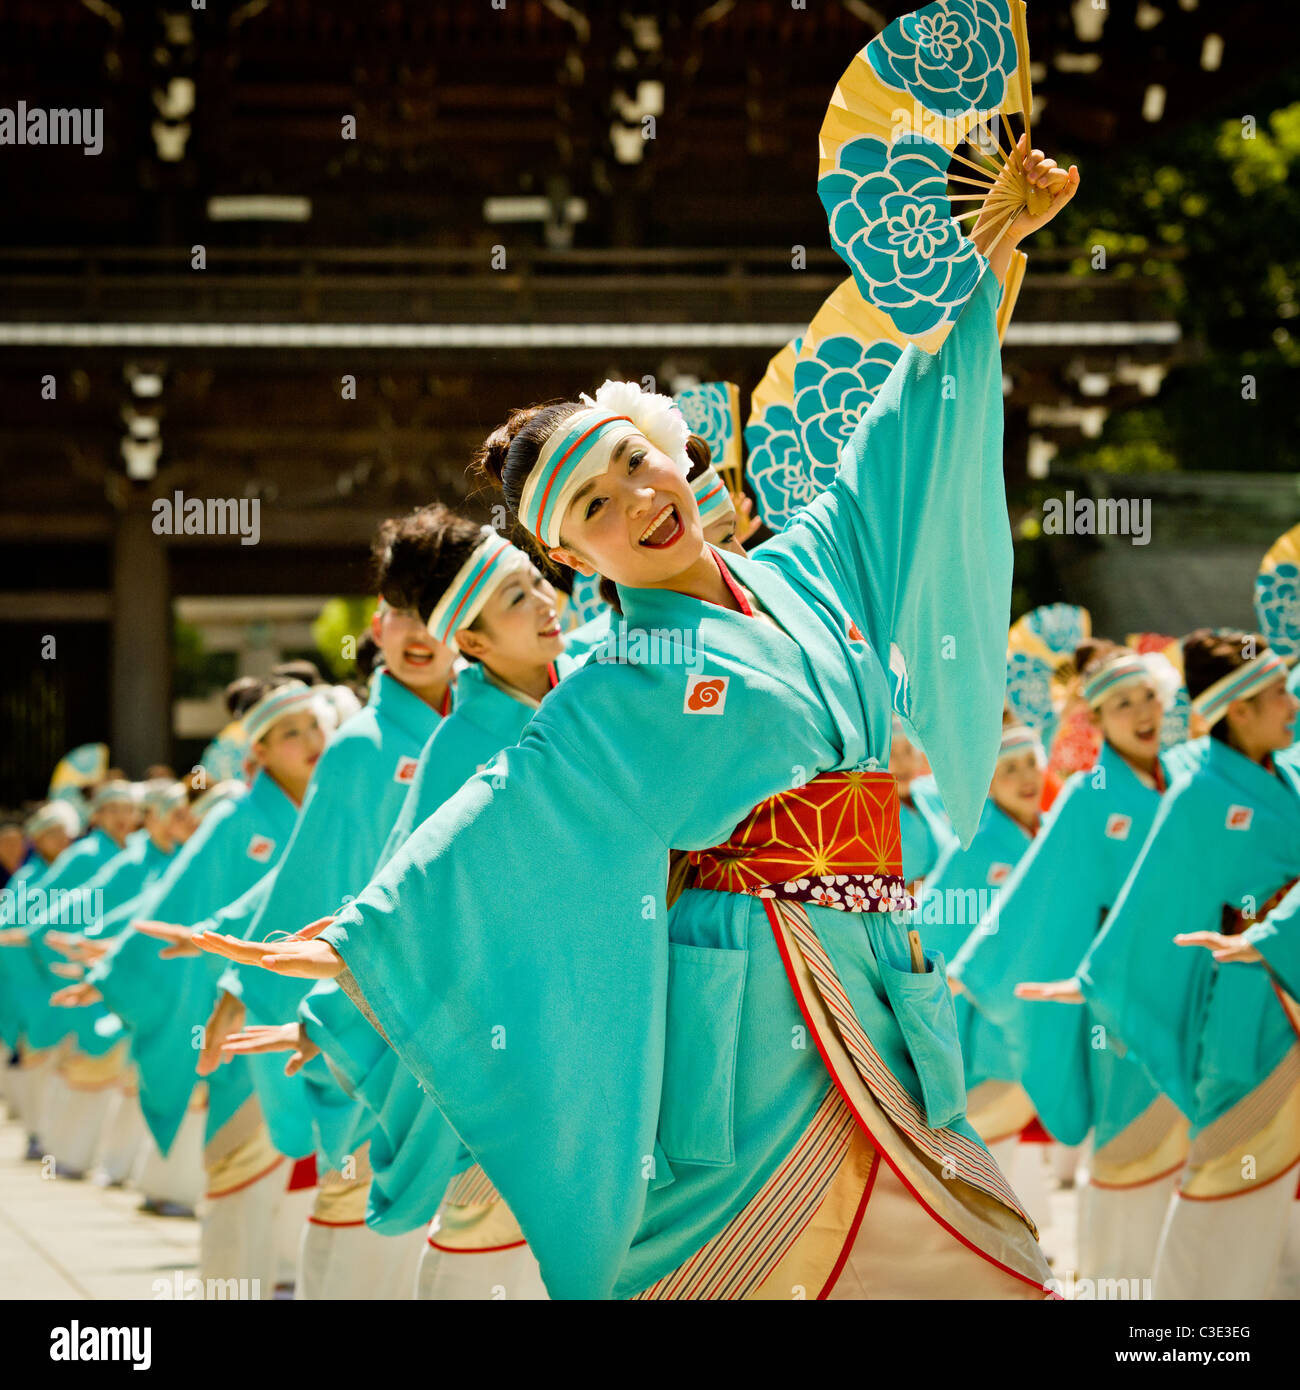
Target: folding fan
x=775, y=466
x=929, y=85
x=1040, y=654
x=585, y=602
x=712, y=410
x=80, y=767
x=1277, y=595
x=223, y=758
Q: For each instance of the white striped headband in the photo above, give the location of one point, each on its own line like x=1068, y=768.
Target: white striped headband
x=493, y=560
x=1017, y=738
x=1247, y=680
x=275, y=705
x=112, y=792
x=711, y=496
x=54, y=814
x=1117, y=673
x=576, y=452
x=164, y=796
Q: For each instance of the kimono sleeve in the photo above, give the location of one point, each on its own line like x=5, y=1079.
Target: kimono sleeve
x=1040, y=927
x=1150, y=992
x=515, y=954
x=914, y=535
x=1277, y=939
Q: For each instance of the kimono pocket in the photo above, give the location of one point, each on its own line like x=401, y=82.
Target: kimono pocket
x=696, y=1109
x=923, y=1007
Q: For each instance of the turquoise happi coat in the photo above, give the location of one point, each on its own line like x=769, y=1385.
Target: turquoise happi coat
x=355, y=795
x=965, y=884
x=165, y=1004
x=43, y=1025
x=627, y=1082
x=1047, y=915
x=413, y=1150
x=1227, y=835
x=924, y=827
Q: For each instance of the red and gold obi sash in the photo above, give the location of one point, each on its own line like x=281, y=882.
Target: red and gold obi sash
x=833, y=843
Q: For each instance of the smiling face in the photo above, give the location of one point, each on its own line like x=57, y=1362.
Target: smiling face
x=1130, y=720
x=13, y=845
x=518, y=626
x=1018, y=786
x=1264, y=723
x=636, y=523
x=291, y=748
x=51, y=843
x=410, y=653
x=180, y=823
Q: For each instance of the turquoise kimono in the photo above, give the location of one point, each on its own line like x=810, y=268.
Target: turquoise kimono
x=17, y=969
x=627, y=1081
x=1046, y=918
x=166, y=1004
x=1226, y=836
x=924, y=827
x=413, y=1151
x=42, y=1024
x=965, y=883
x=355, y=796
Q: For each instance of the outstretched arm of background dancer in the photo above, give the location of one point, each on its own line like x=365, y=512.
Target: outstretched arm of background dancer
x=310, y=959
x=1050, y=992
x=1235, y=950
x=275, y=1037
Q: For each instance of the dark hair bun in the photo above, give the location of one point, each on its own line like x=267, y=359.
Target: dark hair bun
x=1209, y=655
x=1092, y=652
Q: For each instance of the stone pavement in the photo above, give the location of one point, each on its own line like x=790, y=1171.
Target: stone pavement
x=62, y=1239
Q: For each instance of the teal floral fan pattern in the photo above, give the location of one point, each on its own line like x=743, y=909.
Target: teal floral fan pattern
x=707, y=410
x=1176, y=727
x=891, y=221
x=1277, y=606
x=833, y=390
x=585, y=602
x=953, y=56
x=1059, y=626
x=1029, y=694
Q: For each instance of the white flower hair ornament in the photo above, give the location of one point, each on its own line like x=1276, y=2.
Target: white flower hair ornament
x=656, y=417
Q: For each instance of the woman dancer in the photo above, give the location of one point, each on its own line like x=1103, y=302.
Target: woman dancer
x=1078, y=1077
x=670, y=1104
x=1220, y=1043
x=508, y=633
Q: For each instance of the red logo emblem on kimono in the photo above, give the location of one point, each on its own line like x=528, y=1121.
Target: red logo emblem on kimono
x=854, y=634
x=406, y=769
x=259, y=848
x=998, y=873
x=1118, y=826
x=1239, y=817
x=706, y=694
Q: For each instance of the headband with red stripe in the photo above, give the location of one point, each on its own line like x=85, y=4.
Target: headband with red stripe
x=492, y=560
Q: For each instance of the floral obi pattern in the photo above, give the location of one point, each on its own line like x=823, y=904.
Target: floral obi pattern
x=832, y=843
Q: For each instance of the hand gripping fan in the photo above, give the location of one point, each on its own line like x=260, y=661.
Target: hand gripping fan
x=930, y=85
x=1277, y=595
x=712, y=410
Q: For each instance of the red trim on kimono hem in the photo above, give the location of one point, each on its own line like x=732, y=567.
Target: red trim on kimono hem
x=924, y=1205
x=853, y=1228
x=316, y=1221
x=248, y=1182
x=1133, y=1186
x=1228, y=1196
x=480, y=1250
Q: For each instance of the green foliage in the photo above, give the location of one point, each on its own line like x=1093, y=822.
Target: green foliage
x=339, y=620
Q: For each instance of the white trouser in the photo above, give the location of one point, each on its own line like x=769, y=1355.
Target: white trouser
x=73, y=1122
x=1064, y=1160
x=1229, y=1248
x=447, y=1275
x=1119, y=1228
x=178, y=1178
x=121, y=1138
x=32, y=1085
x=291, y=1215
x=1287, y=1284
x=237, y=1232
x=354, y=1262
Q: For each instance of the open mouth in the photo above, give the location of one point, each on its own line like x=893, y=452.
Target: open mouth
x=552, y=630
x=1146, y=735
x=417, y=656
x=664, y=530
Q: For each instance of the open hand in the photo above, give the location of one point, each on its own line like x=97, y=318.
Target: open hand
x=310, y=959
x=1051, y=992
x=279, y=1037
x=1231, y=950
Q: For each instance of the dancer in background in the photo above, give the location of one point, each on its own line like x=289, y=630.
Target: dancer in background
x=1078, y=1077
x=346, y=818
x=485, y=600
x=648, y=1168
x=1221, y=1043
